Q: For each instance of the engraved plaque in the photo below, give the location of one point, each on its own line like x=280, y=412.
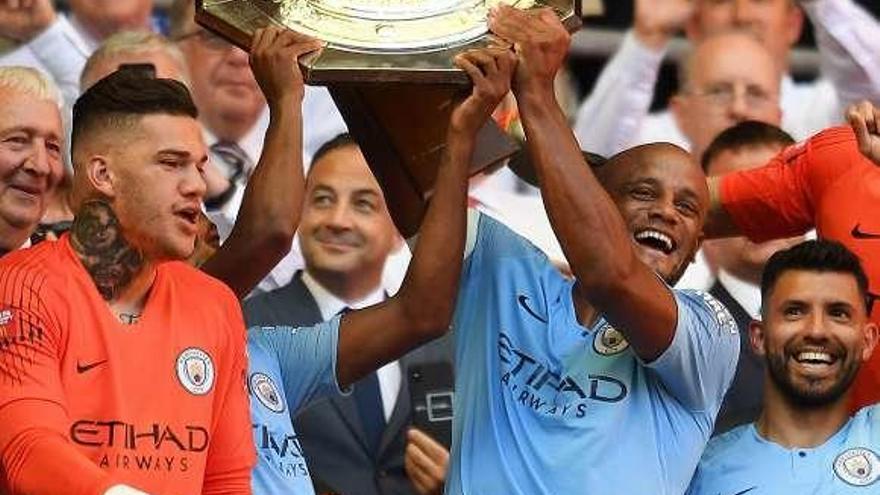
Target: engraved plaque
x=388, y=65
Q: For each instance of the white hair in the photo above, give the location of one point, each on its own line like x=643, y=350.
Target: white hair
x=31, y=82
x=126, y=43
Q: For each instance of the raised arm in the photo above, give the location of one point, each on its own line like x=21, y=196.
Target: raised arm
x=422, y=309
x=864, y=118
x=596, y=241
x=272, y=203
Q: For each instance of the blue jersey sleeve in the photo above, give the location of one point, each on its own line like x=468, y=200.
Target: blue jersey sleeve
x=306, y=358
x=699, y=364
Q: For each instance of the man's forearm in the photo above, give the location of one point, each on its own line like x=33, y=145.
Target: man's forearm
x=429, y=290
x=271, y=207
x=578, y=206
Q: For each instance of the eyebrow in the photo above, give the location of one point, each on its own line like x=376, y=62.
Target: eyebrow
x=29, y=130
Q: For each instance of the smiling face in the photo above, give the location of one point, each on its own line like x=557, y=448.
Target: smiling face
x=814, y=336
x=157, y=185
x=662, y=196
x=346, y=230
x=30, y=158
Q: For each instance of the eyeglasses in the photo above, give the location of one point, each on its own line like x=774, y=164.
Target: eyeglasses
x=210, y=40
x=724, y=94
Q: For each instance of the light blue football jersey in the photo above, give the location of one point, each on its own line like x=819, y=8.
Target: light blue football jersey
x=546, y=406
x=741, y=462
x=288, y=367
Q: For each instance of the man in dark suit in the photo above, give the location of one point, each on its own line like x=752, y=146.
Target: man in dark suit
x=740, y=263
x=355, y=443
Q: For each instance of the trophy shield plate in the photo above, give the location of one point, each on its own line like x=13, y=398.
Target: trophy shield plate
x=388, y=65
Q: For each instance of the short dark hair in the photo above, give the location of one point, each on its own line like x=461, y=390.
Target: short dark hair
x=747, y=134
x=340, y=141
x=119, y=99
x=821, y=256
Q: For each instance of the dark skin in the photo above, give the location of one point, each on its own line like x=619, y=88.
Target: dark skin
x=422, y=309
x=272, y=201
x=595, y=228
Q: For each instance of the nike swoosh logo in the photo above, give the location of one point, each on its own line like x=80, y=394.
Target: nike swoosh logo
x=747, y=490
x=523, y=301
x=859, y=234
x=82, y=368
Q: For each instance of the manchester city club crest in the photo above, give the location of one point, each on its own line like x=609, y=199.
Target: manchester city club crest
x=195, y=370
x=609, y=341
x=264, y=389
x=857, y=467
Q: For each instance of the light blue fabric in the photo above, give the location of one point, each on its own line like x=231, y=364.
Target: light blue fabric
x=742, y=462
x=288, y=367
x=546, y=406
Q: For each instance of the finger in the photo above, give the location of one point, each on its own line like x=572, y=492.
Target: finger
x=428, y=445
x=462, y=62
x=416, y=474
x=290, y=37
x=484, y=60
x=873, y=121
x=434, y=468
x=857, y=122
x=256, y=43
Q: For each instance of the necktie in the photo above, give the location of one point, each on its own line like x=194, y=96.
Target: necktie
x=236, y=160
x=368, y=400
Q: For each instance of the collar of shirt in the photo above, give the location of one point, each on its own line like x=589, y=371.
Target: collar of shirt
x=330, y=305
x=746, y=294
x=251, y=143
x=390, y=376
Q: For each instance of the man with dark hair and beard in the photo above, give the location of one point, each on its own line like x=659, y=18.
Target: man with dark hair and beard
x=814, y=336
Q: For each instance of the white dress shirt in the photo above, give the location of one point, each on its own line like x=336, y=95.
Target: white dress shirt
x=615, y=115
x=389, y=375
x=747, y=294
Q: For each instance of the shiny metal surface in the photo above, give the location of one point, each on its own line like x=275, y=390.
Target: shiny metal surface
x=373, y=40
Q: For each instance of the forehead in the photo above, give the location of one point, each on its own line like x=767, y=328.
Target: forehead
x=23, y=110
x=744, y=158
x=665, y=165
x=733, y=57
x=166, y=66
x=816, y=288
x=158, y=132
x=343, y=169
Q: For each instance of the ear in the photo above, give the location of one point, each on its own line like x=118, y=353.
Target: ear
x=100, y=177
x=692, y=27
x=756, y=337
x=794, y=24
x=871, y=335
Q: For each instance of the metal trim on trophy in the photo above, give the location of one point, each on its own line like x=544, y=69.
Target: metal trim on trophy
x=388, y=65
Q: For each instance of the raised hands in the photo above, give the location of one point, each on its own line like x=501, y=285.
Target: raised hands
x=540, y=42
x=864, y=118
x=490, y=70
x=22, y=20
x=656, y=21
x=273, y=58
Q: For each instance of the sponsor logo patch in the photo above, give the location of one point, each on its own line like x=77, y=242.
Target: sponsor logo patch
x=857, y=467
x=264, y=389
x=195, y=370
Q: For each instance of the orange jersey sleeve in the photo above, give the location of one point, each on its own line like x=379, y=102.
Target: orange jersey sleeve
x=232, y=456
x=35, y=454
x=780, y=199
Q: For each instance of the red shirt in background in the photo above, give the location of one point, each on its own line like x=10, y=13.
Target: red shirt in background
x=826, y=183
x=87, y=402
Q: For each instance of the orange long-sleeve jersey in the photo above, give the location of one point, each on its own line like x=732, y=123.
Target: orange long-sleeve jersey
x=826, y=183
x=87, y=402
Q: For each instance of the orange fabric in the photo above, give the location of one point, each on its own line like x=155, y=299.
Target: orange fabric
x=160, y=405
x=823, y=182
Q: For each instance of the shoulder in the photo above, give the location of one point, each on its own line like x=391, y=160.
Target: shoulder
x=734, y=443
x=31, y=267
x=705, y=309
x=196, y=283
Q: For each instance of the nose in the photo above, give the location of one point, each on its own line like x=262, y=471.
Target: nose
x=664, y=211
x=193, y=184
x=816, y=325
x=738, y=110
x=237, y=57
x=340, y=216
x=37, y=162
x=743, y=12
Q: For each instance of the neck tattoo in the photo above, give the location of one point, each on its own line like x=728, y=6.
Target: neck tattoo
x=129, y=318
x=111, y=261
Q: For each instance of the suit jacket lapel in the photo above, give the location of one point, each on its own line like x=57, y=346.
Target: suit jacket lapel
x=400, y=416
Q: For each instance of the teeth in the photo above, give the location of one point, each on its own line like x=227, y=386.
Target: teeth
x=659, y=236
x=822, y=357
